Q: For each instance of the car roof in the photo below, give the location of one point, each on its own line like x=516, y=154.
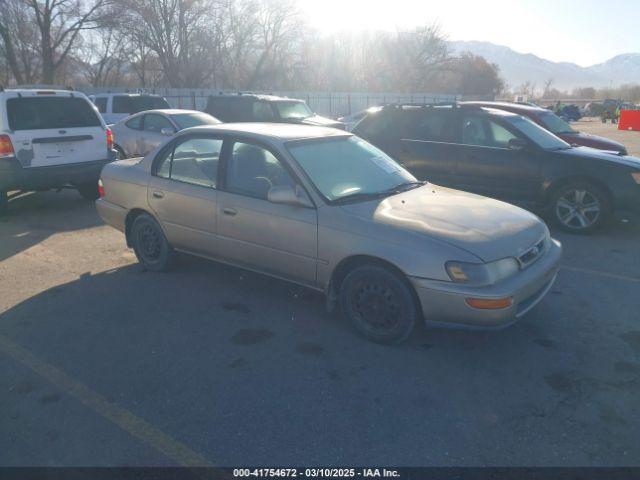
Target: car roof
x=258, y=96
x=170, y=111
x=278, y=131
x=39, y=92
x=126, y=94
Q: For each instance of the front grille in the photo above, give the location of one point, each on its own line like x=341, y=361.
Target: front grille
x=533, y=253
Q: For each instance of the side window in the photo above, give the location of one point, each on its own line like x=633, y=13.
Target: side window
x=101, y=104
x=193, y=161
x=474, y=132
x=253, y=170
x=431, y=126
x=262, y=111
x=485, y=132
x=121, y=104
x=196, y=161
x=163, y=165
x=135, y=123
x=377, y=124
x=155, y=123
x=500, y=135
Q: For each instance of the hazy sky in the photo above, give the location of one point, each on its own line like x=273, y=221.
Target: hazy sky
x=580, y=31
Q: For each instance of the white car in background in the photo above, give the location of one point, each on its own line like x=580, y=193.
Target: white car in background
x=115, y=106
x=51, y=139
x=138, y=134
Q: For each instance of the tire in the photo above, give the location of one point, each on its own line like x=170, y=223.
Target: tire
x=379, y=303
x=150, y=245
x=89, y=191
x=579, y=207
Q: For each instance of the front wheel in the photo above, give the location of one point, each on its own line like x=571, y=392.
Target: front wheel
x=150, y=245
x=379, y=303
x=579, y=207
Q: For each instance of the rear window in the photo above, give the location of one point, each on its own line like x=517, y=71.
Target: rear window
x=41, y=113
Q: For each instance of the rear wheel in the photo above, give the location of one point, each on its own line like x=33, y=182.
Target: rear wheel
x=580, y=207
x=150, y=244
x=379, y=303
x=89, y=191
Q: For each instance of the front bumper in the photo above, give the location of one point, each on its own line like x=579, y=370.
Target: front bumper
x=13, y=176
x=444, y=303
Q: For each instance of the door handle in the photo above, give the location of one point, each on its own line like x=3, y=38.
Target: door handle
x=229, y=211
x=157, y=194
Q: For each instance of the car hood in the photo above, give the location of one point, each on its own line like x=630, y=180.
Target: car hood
x=487, y=228
x=587, y=152
x=319, y=121
x=595, y=141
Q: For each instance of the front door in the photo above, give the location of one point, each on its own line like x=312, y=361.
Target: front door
x=486, y=165
x=183, y=193
x=255, y=233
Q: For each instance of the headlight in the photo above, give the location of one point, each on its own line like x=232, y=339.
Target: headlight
x=481, y=274
x=636, y=177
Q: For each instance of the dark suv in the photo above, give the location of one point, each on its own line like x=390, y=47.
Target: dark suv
x=504, y=155
x=246, y=107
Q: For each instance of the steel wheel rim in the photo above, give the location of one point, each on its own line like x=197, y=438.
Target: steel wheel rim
x=376, y=305
x=150, y=243
x=578, y=209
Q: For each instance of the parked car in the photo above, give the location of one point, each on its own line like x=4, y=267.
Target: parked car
x=51, y=139
x=504, y=155
x=247, y=107
x=350, y=121
x=115, y=106
x=556, y=125
x=326, y=209
x=140, y=133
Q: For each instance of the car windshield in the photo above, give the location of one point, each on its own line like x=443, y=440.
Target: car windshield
x=536, y=133
x=344, y=168
x=293, y=110
x=555, y=124
x=188, y=120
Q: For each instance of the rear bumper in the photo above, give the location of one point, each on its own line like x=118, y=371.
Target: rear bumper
x=444, y=303
x=13, y=176
x=112, y=214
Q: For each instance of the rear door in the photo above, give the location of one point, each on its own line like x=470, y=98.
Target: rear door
x=56, y=129
x=427, y=149
x=183, y=192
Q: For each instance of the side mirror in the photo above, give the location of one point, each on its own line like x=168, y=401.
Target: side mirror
x=167, y=132
x=287, y=195
x=517, y=144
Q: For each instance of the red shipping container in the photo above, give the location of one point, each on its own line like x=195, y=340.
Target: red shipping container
x=629, y=120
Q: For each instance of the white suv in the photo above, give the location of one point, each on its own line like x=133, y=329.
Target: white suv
x=51, y=139
x=115, y=106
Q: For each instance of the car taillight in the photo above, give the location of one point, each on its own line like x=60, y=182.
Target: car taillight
x=100, y=188
x=6, y=147
x=109, y=139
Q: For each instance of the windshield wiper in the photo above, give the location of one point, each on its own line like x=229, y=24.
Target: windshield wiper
x=402, y=187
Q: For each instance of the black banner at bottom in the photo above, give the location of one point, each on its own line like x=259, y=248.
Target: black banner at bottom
x=397, y=473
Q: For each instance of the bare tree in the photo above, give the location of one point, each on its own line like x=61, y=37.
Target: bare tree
x=19, y=44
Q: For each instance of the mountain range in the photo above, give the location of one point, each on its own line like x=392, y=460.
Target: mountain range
x=517, y=68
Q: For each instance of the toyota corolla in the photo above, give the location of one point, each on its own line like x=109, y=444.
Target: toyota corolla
x=324, y=208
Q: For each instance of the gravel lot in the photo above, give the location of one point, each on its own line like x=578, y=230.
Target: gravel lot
x=596, y=127
x=102, y=363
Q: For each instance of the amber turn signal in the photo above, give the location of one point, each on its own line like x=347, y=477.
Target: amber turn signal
x=490, y=303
